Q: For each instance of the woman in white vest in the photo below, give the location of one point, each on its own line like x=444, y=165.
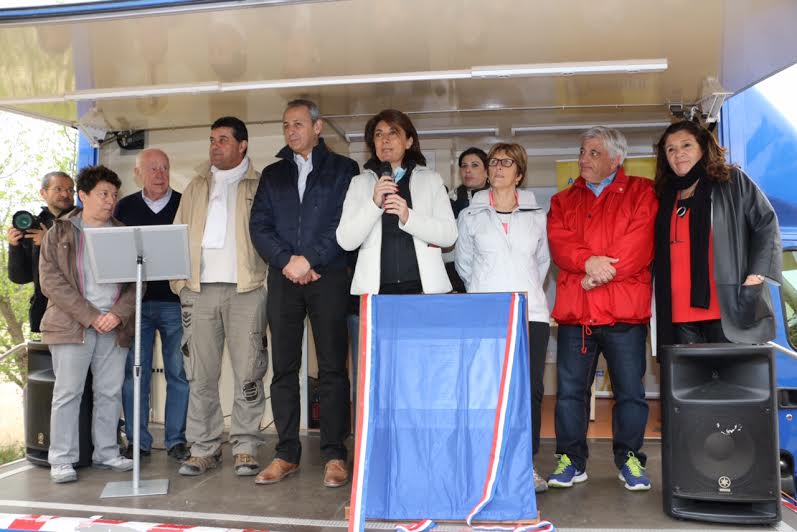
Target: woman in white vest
x=503, y=247
x=398, y=214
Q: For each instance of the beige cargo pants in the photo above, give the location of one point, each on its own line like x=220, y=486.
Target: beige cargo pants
x=211, y=317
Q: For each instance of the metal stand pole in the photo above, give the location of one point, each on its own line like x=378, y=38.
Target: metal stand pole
x=137, y=378
x=136, y=488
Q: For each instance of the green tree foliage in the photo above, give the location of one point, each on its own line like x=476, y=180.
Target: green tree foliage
x=34, y=148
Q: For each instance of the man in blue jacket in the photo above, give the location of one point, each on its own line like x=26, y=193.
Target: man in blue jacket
x=294, y=217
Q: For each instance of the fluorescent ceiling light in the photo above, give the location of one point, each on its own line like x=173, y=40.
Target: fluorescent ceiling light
x=142, y=91
x=640, y=155
x=570, y=69
x=345, y=80
x=461, y=131
x=544, y=69
x=572, y=152
x=32, y=101
x=464, y=131
x=556, y=128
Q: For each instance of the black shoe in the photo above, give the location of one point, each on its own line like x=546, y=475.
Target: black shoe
x=128, y=453
x=179, y=452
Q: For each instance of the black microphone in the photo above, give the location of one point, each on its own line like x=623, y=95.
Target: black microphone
x=385, y=169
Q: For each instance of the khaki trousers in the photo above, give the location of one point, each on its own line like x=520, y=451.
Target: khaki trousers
x=215, y=315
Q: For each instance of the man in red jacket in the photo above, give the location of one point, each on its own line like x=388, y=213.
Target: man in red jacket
x=600, y=231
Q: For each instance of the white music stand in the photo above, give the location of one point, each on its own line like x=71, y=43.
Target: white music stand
x=124, y=255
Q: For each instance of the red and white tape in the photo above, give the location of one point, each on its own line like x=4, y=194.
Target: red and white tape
x=51, y=523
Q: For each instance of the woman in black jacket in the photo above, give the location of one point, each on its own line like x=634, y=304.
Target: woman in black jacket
x=717, y=240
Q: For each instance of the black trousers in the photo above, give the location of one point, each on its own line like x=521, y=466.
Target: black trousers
x=539, y=333
x=699, y=332
x=325, y=302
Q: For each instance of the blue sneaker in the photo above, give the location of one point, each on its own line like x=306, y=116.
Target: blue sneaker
x=633, y=474
x=565, y=474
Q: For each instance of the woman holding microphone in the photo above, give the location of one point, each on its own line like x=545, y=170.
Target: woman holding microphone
x=398, y=214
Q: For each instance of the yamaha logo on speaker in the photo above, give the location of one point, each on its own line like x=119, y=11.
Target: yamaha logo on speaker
x=725, y=484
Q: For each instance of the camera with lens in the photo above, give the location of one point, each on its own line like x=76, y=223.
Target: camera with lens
x=24, y=220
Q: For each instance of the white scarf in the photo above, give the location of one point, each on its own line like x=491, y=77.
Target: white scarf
x=216, y=223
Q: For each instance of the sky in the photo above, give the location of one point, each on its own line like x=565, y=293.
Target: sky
x=31, y=144
x=779, y=90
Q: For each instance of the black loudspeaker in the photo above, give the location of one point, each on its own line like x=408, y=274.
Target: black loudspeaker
x=38, y=402
x=720, y=433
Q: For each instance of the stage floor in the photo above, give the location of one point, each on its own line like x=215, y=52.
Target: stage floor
x=301, y=502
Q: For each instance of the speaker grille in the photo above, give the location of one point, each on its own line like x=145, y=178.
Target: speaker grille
x=724, y=452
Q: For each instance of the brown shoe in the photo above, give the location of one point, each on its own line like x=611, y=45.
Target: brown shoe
x=335, y=474
x=276, y=471
x=245, y=465
x=196, y=465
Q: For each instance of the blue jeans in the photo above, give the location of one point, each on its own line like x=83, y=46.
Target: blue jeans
x=163, y=316
x=623, y=347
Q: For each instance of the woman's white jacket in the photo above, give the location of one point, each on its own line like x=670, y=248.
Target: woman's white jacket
x=490, y=260
x=431, y=224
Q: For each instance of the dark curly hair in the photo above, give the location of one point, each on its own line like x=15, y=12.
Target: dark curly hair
x=713, y=159
x=401, y=121
x=89, y=176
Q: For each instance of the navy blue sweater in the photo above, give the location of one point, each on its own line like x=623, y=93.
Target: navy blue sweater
x=132, y=210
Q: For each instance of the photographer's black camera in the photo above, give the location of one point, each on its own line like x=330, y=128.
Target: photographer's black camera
x=24, y=220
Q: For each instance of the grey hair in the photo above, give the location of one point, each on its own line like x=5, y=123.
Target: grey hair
x=613, y=140
x=48, y=178
x=315, y=112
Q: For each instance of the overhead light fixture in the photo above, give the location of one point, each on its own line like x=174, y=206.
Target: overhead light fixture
x=447, y=132
x=32, y=101
x=328, y=81
x=641, y=154
x=558, y=128
x=142, y=91
x=571, y=153
x=483, y=72
x=629, y=66
x=461, y=131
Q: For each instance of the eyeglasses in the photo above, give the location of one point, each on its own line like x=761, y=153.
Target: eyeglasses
x=506, y=163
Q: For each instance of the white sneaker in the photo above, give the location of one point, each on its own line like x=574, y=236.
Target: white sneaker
x=62, y=473
x=540, y=484
x=120, y=463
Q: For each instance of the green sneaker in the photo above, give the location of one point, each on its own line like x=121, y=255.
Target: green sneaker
x=633, y=474
x=565, y=474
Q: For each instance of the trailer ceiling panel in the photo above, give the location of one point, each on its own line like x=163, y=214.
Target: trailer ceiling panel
x=355, y=37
